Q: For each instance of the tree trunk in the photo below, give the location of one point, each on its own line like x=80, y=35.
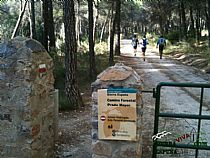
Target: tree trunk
x=208, y=17
x=77, y=22
x=192, y=27
x=167, y=25
x=46, y=23
x=112, y=32
x=71, y=87
x=145, y=30
x=51, y=32
x=161, y=25
x=142, y=27
x=110, y=23
x=126, y=32
x=104, y=26
x=160, y=19
x=15, y=31
x=95, y=8
x=118, y=11
x=184, y=26
x=132, y=17
x=21, y=6
x=32, y=20
x=180, y=23
x=92, y=72
x=198, y=26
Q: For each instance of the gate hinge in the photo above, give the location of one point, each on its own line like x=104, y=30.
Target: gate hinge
x=149, y=91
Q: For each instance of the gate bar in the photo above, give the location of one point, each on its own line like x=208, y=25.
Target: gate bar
x=187, y=84
x=205, y=117
x=199, y=121
x=190, y=146
x=158, y=114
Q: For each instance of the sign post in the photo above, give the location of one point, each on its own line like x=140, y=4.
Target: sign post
x=117, y=116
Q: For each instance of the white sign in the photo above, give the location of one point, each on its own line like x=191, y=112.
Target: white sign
x=117, y=114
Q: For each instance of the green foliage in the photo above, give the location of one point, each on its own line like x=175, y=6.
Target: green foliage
x=173, y=37
x=2, y=1
x=101, y=48
x=8, y=17
x=101, y=57
x=206, y=55
x=133, y=16
x=102, y=62
x=59, y=75
x=39, y=31
x=63, y=102
x=190, y=48
x=182, y=47
x=152, y=38
x=9, y=12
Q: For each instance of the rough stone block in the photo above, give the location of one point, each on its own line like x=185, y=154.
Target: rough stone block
x=94, y=133
x=128, y=151
x=95, y=123
x=102, y=148
x=94, y=110
x=97, y=156
x=95, y=98
x=26, y=101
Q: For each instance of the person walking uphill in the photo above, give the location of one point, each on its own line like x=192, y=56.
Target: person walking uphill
x=144, y=43
x=135, y=42
x=161, y=43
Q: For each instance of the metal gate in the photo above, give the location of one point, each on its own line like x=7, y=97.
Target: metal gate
x=199, y=117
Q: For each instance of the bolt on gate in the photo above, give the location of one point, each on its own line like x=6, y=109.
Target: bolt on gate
x=199, y=117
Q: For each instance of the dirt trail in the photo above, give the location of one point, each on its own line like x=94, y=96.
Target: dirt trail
x=75, y=127
x=75, y=132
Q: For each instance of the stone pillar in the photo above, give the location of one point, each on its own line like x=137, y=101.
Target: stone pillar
x=124, y=77
x=27, y=103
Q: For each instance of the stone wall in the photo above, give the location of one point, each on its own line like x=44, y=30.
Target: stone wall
x=27, y=104
x=124, y=77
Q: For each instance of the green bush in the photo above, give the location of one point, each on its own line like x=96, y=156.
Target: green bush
x=101, y=48
x=173, y=37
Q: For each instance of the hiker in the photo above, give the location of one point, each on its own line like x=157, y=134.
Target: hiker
x=135, y=42
x=161, y=43
x=144, y=43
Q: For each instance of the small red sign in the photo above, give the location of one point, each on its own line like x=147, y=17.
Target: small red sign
x=42, y=68
x=103, y=118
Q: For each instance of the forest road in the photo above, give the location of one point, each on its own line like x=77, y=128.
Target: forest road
x=173, y=100
x=75, y=126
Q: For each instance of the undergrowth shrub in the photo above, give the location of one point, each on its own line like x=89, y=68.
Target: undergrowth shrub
x=173, y=37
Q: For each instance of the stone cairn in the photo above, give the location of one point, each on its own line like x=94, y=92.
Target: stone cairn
x=27, y=100
x=125, y=77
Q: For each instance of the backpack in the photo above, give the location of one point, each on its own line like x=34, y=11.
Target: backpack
x=161, y=42
x=134, y=42
x=144, y=40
